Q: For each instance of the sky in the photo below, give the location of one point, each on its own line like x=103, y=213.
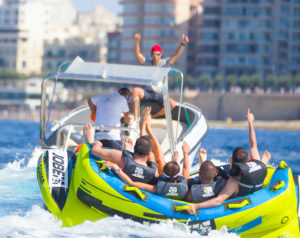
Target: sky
x=112, y=6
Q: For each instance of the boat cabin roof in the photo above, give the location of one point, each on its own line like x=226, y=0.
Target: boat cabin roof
x=115, y=73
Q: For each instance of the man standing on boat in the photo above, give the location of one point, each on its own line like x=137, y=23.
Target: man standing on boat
x=149, y=96
x=108, y=109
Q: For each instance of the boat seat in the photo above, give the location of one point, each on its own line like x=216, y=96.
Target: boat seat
x=159, y=127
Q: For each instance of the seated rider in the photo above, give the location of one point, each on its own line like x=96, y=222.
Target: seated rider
x=207, y=185
x=246, y=176
x=170, y=184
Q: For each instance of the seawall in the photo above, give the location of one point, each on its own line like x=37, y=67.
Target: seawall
x=220, y=106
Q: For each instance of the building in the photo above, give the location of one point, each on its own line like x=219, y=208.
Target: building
x=24, y=24
x=114, y=47
x=244, y=37
x=158, y=22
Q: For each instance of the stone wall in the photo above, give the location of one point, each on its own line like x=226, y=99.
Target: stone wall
x=217, y=106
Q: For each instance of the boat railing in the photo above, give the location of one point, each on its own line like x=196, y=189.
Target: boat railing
x=69, y=127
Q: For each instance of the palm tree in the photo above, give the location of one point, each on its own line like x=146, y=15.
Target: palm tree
x=230, y=81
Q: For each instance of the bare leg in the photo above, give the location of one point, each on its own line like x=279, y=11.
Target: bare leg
x=128, y=145
x=89, y=133
x=265, y=158
x=202, y=155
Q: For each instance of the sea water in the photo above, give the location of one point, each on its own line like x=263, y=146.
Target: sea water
x=21, y=203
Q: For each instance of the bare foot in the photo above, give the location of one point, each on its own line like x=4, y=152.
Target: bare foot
x=175, y=157
x=202, y=155
x=128, y=144
x=265, y=158
x=89, y=133
x=146, y=120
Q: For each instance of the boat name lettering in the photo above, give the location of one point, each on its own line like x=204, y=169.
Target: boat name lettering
x=58, y=169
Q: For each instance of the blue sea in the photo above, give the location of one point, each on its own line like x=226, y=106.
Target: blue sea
x=21, y=203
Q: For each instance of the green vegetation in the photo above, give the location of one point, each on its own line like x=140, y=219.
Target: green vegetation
x=10, y=74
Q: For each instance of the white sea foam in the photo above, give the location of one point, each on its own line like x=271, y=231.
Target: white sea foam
x=39, y=223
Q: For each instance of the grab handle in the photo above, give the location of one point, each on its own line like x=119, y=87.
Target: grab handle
x=139, y=193
x=182, y=208
x=237, y=203
x=277, y=185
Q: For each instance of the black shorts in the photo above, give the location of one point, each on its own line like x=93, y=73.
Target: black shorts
x=153, y=99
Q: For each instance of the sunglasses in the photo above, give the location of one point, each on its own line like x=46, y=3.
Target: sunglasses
x=156, y=54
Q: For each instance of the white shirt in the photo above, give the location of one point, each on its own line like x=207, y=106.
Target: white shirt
x=109, y=110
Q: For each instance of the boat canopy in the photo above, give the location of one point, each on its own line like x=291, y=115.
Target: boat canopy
x=116, y=73
x=157, y=77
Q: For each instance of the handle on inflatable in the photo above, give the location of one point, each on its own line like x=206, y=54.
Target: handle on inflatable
x=282, y=165
x=237, y=203
x=182, y=208
x=277, y=185
x=138, y=192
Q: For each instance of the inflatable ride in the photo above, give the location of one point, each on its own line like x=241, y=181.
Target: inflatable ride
x=76, y=187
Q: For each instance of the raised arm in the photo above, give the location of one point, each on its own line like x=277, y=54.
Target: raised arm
x=92, y=106
x=126, y=179
x=184, y=41
x=254, y=154
x=137, y=51
x=186, y=162
x=158, y=154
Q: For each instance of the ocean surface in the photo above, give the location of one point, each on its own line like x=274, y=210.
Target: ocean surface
x=21, y=203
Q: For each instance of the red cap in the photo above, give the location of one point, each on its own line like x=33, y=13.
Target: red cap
x=156, y=48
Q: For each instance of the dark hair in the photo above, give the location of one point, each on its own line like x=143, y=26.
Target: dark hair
x=124, y=90
x=143, y=145
x=171, y=169
x=240, y=155
x=208, y=170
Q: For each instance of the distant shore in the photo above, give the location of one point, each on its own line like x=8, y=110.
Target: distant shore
x=293, y=125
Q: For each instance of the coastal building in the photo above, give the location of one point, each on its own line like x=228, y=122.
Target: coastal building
x=24, y=24
x=244, y=37
x=158, y=22
x=114, y=48
x=37, y=35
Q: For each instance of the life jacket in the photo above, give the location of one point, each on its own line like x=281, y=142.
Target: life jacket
x=252, y=178
x=203, y=192
x=138, y=172
x=176, y=191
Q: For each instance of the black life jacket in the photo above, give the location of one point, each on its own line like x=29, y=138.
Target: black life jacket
x=203, y=192
x=138, y=172
x=176, y=191
x=253, y=175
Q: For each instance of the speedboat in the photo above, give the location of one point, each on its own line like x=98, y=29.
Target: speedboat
x=184, y=123
x=77, y=188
